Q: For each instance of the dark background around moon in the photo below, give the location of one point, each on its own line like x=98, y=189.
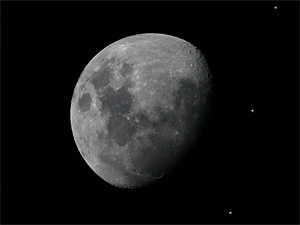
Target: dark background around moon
x=245, y=163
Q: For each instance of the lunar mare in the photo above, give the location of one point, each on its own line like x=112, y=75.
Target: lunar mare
x=139, y=106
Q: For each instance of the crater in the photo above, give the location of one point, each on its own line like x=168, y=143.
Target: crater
x=84, y=102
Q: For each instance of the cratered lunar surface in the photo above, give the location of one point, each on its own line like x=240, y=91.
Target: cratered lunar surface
x=139, y=106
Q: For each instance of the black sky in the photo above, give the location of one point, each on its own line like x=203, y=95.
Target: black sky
x=247, y=163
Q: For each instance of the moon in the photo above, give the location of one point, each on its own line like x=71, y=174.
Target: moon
x=139, y=106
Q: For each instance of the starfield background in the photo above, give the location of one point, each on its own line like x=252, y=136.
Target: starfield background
x=245, y=162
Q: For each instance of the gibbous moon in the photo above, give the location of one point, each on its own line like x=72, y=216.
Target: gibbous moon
x=139, y=106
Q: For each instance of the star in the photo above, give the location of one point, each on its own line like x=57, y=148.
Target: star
x=275, y=7
x=252, y=110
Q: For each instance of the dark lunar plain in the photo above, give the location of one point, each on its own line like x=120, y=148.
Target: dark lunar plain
x=244, y=162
